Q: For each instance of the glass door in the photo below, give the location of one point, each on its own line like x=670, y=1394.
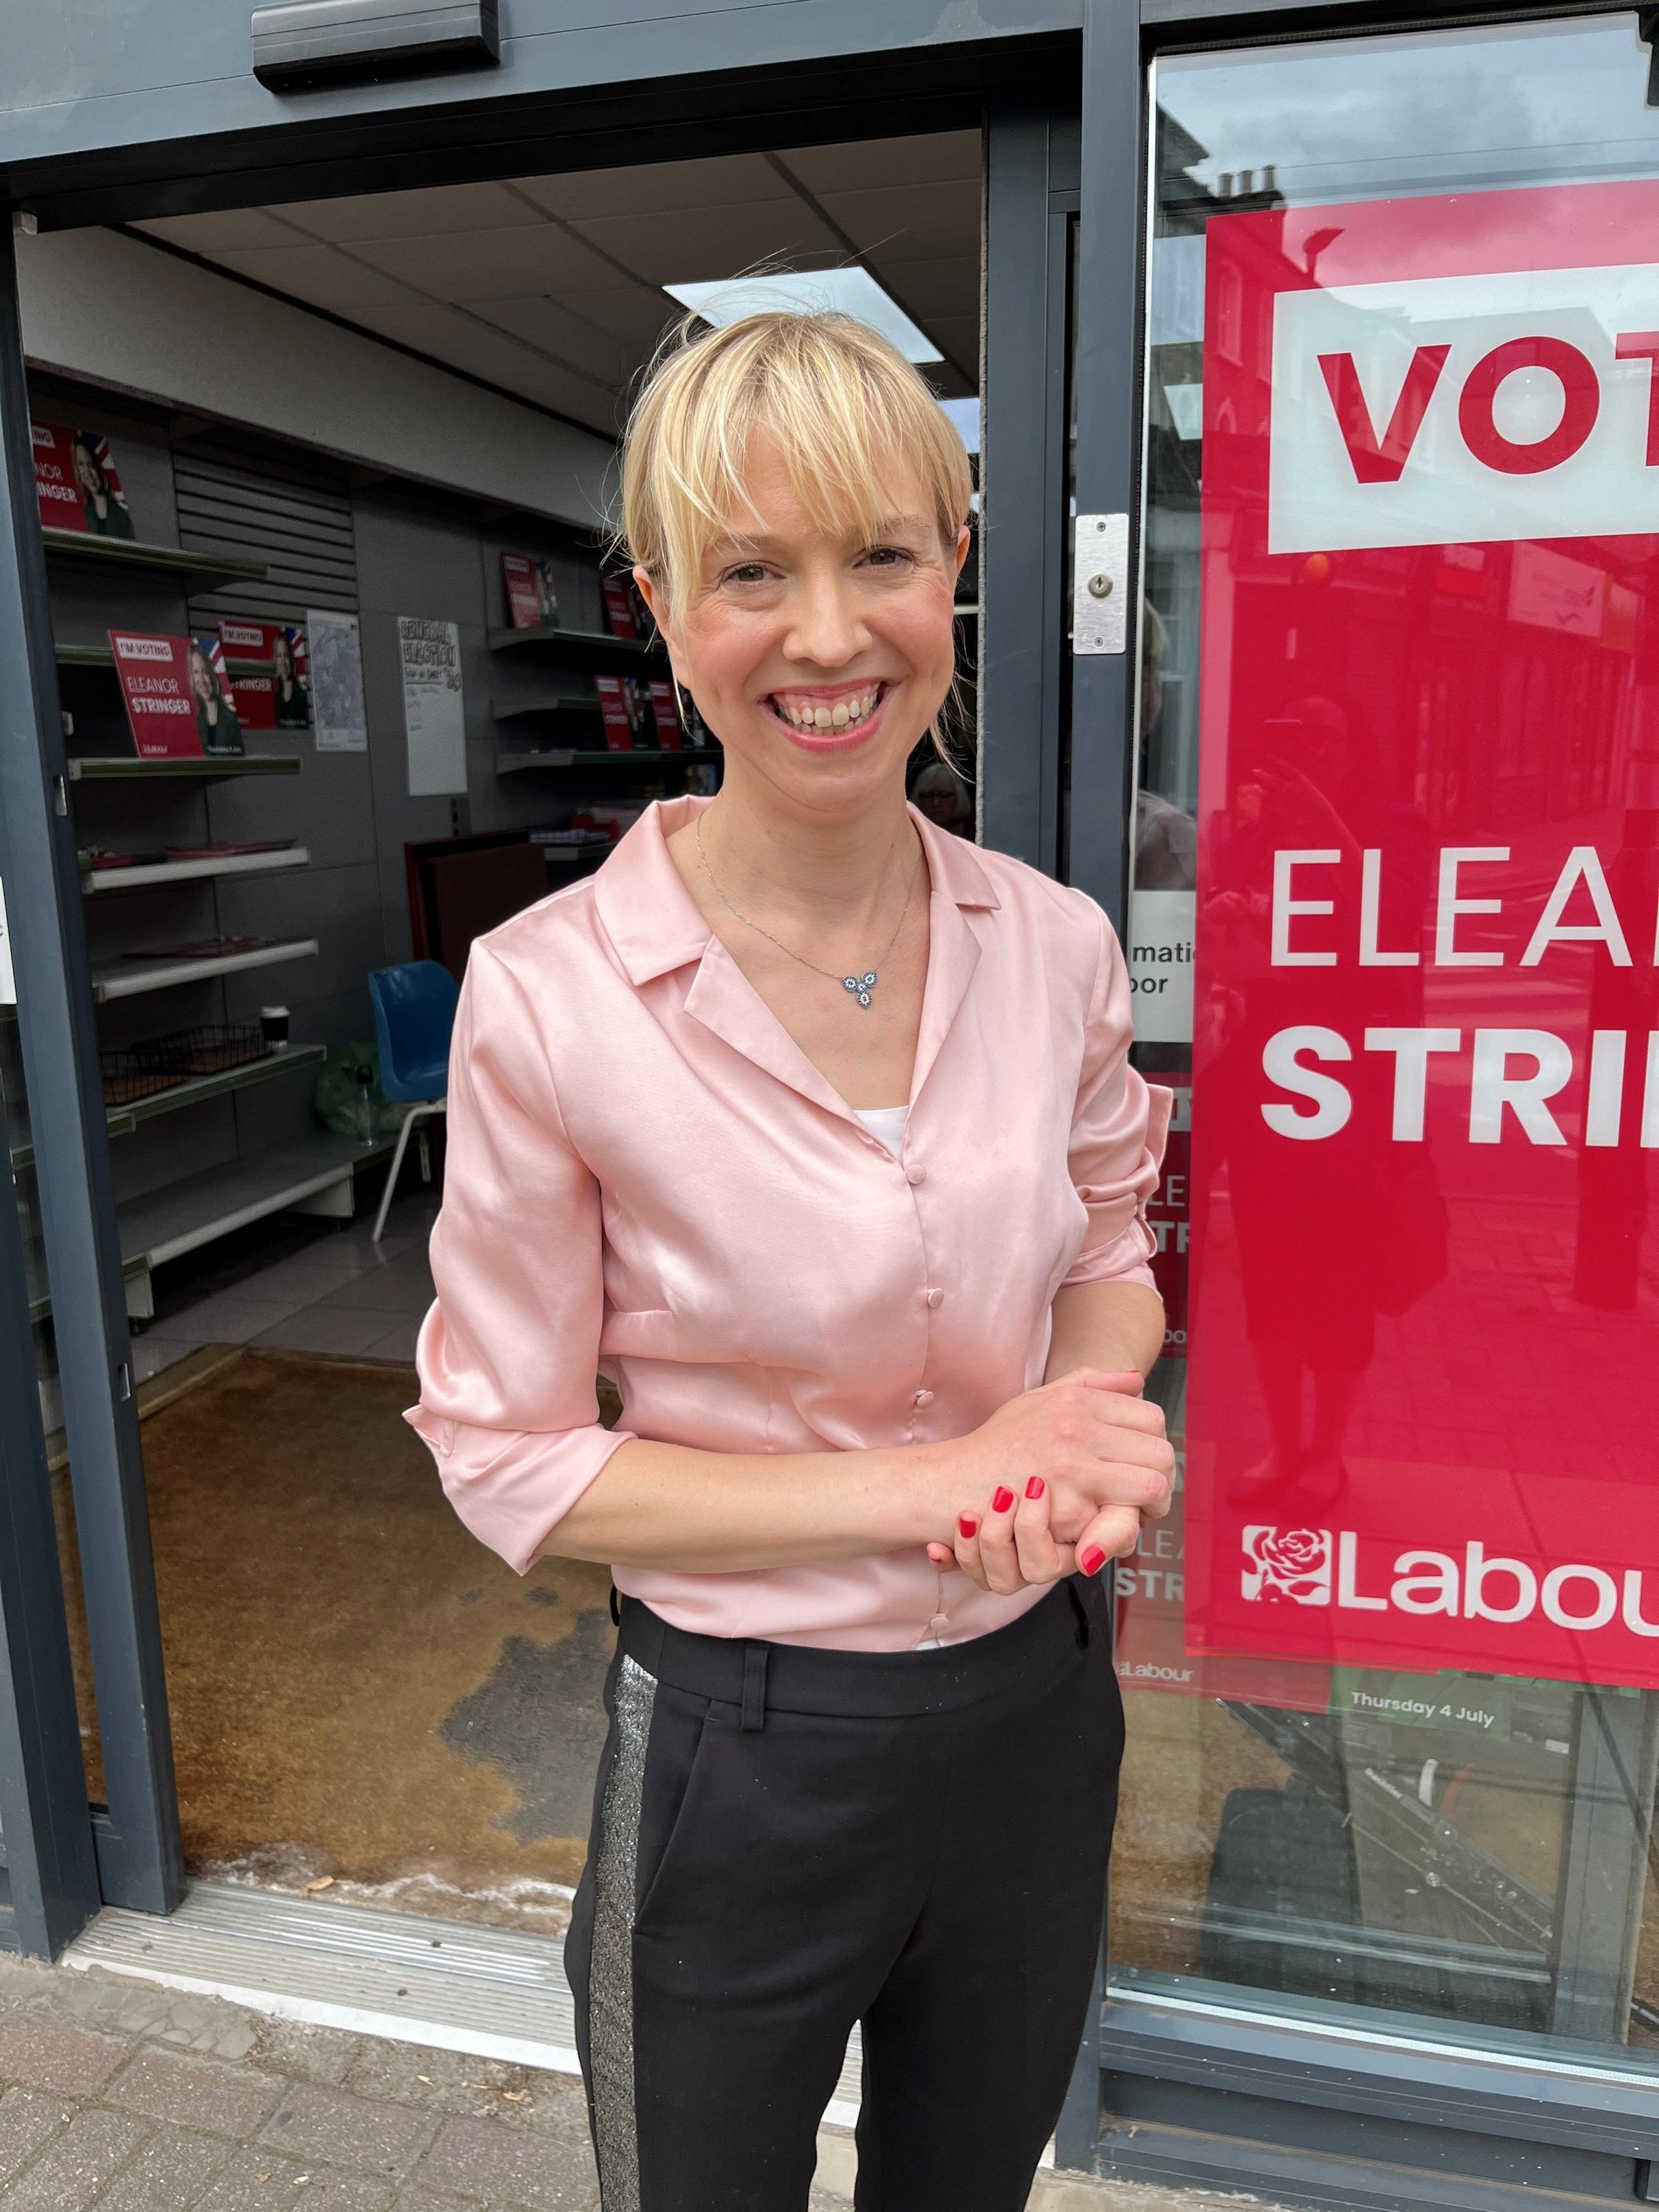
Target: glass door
x=1392, y=1663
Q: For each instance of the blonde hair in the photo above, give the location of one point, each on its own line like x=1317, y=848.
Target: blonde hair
x=841, y=402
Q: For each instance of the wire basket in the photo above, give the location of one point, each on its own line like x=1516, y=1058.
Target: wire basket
x=139, y=1070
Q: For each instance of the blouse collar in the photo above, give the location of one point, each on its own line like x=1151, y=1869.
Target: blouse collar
x=654, y=925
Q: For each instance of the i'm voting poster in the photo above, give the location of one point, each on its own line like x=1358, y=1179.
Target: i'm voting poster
x=178, y=696
x=76, y=486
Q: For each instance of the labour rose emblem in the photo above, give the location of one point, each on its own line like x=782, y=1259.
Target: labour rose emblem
x=1287, y=1565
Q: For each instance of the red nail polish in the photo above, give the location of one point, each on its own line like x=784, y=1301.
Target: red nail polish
x=1002, y=1500
x=1034, y=1488
x=1091, y=1557
x=967, y=1523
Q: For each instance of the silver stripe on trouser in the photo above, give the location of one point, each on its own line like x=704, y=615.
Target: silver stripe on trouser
x=611, y=1974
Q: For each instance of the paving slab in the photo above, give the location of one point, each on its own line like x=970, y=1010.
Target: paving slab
x=118, y=2095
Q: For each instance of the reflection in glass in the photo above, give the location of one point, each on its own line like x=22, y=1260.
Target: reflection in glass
x=1421, y=1842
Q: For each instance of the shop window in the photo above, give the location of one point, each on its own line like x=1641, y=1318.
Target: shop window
x=1392, y=1665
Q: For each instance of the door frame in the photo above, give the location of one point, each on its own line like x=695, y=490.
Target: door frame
x=137, y=1836
x=1033, y=144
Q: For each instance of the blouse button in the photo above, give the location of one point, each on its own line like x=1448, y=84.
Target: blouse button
x=936, y=1298
x=924, y=1397
x=916, y=1175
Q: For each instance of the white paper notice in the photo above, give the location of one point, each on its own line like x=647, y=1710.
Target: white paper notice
x=435, y=714
x=7, y=981
x=336, y=655
x=1161, y=965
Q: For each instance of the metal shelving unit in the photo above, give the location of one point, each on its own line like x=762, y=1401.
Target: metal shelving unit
x=164, y=560
x=122, y=1120
x=510, y=763
x=315, y=1175
x=133, y=979
x=522, y=709
x=144, y=876
x=87, y=766
x=580, y=648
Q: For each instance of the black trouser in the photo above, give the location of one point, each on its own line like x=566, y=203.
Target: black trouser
x=786, y=1841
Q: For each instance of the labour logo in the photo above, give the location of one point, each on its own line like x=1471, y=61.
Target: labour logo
x=1287, y=1565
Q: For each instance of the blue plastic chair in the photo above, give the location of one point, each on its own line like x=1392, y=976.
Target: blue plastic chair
x=413, y=1013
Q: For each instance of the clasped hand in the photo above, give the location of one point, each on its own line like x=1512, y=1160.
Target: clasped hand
x=1057, y=1481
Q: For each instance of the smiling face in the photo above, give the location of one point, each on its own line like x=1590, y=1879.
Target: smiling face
x=201, y=677
x=818, y=658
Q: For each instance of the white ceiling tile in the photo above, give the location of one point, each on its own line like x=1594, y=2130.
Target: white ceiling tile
x=639, y=314
x=419, y=213
x=236, y=227
x=936, y=157
x=725, y=180
x=482, y=264
x=912, y=223
x=323, y=278
x=552, y=328
x=959, y=338
x=925, y=288
x=320, y=278
x=694, y=245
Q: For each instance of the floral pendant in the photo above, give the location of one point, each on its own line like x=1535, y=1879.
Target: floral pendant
x=861, y=986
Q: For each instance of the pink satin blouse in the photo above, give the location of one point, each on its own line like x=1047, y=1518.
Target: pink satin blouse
x=647, y=1176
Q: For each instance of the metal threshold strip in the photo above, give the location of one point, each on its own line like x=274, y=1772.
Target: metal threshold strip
x=487, y=1991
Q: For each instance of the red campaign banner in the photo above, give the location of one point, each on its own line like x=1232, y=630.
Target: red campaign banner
x=277, y=695
x=1424, y=1392
x=1169, y=1215
x=665, y=712
x=613, y=705
x=179, y=699
x=1149, y=1589
x=76, y=486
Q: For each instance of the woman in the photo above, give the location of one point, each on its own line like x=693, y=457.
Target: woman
x=292, y=700
x=216, y=723
x=870, y=1274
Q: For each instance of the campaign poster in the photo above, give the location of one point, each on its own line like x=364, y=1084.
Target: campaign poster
x=532, y=602
x=77, y=485
x=613, y=706
x=179, y=700
x=665, y=712
x=1423, y=1392
x=619, y=605
x=272, y=689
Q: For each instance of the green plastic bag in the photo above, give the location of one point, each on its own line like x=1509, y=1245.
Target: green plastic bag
x=350, y=1107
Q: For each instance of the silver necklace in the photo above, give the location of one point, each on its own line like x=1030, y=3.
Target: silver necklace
x=859, y=987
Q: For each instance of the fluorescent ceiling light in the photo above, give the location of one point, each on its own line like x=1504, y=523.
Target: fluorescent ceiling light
x=964, y=414
x=808, y=292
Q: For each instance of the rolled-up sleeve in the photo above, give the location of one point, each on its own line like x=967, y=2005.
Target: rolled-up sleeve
x=507, y=1352
x=1118, y=1128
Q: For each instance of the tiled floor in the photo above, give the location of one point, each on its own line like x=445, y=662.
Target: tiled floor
x=324, y=1288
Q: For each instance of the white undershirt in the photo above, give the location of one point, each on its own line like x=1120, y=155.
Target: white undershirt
x=886, y=1122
